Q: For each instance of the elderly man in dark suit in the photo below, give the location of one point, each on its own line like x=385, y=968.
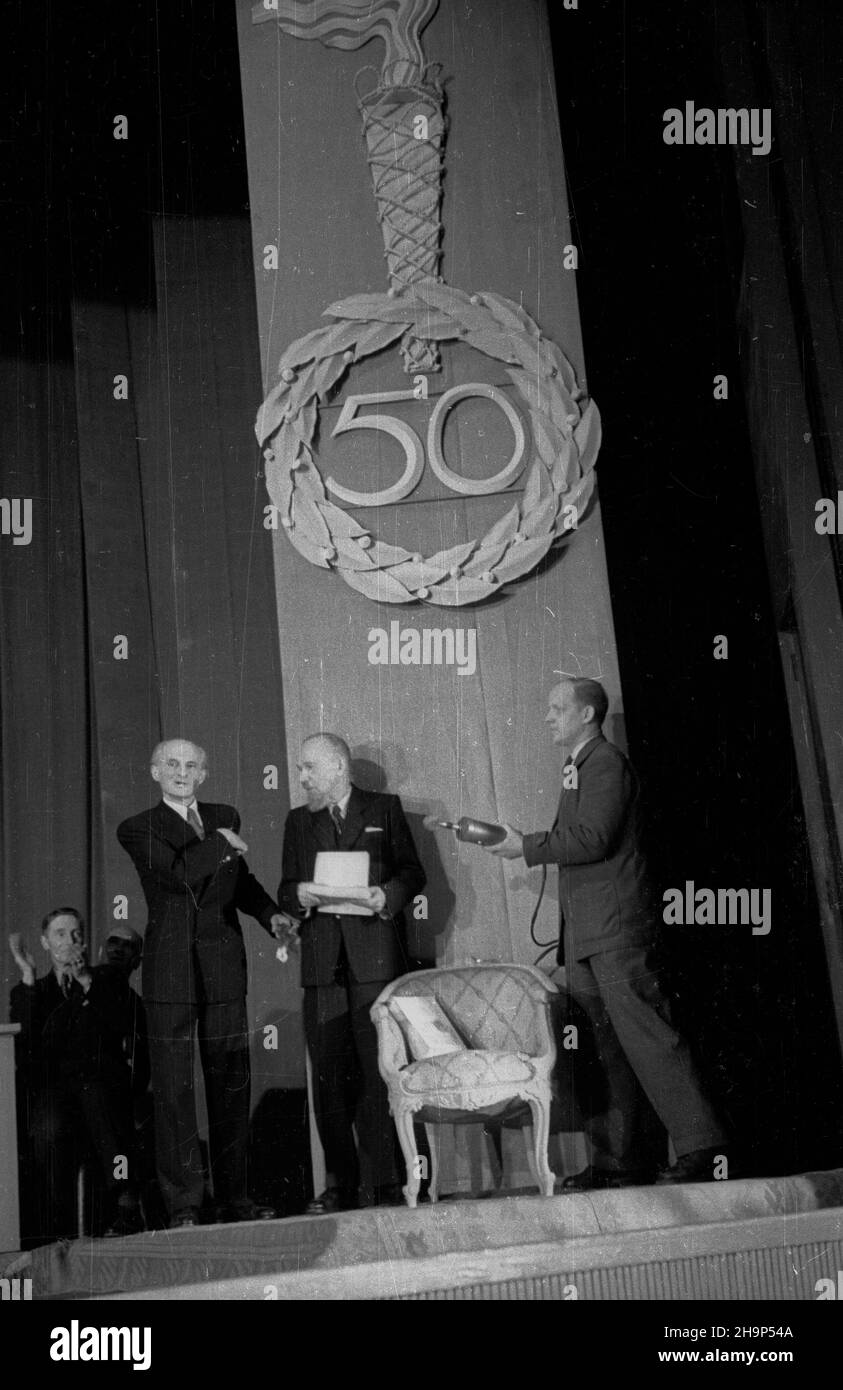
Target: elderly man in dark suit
x=188, y=855
x=345, y=963
x=608, y=935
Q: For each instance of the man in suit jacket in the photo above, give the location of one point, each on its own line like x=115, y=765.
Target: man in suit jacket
x=74, y=1080
x=345, y=963
x=608, y=935
x=188, y=855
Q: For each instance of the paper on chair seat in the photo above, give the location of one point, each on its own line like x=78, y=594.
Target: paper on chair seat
x=341, y=882
x=429, y=1031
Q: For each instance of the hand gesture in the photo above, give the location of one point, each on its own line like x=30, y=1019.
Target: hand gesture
x=306, y=898
x=78, y=967
x=234, y=840
x=23, y=958
x=284, y=927
x=377, y=899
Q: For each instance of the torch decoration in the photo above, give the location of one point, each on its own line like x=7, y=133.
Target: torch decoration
x=404, y=128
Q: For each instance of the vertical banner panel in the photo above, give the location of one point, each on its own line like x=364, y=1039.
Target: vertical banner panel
x=464, y=735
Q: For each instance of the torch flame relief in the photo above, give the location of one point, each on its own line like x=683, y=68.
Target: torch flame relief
x=403, y=125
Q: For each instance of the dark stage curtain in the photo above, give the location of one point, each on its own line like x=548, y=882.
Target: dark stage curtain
x=144, y=605
x=45, y=702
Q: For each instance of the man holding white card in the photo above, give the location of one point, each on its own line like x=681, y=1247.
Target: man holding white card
x=352, y=944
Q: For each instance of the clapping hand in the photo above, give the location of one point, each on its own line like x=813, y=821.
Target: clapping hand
x=75, y=966
x=24, y=960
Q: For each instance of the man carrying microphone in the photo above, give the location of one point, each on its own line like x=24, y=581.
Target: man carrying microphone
x=608, y=935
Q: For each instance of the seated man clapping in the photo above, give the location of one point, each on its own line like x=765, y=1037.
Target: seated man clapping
x=74, y=1083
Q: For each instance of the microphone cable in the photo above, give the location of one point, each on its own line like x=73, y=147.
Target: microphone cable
x=547, y=946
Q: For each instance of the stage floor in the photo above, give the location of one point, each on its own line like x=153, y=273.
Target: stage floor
x=742, y=1239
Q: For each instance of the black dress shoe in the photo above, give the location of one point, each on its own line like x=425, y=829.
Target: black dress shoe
x=697, y=1166
x=257, y=1211
x=127, y=1220
x=601, y=1178
x=188, y=1217
x=244, y=1211
x=125, y=1223
x=333, y=1199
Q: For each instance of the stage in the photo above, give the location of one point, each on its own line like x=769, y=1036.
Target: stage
x=739, y=1240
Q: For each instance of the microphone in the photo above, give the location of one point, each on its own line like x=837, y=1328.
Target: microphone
x=473, y=832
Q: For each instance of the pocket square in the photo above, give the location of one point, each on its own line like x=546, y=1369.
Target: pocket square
x=372, y=829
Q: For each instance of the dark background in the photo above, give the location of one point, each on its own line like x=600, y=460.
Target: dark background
x=659, y=234
x=661, y=261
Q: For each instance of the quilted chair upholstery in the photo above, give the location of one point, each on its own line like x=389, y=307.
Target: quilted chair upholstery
x=500, y=1014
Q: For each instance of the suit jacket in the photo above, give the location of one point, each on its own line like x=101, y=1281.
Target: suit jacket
x=68, y=1039
x=193, y=948
x=375, y=946
x=605, y=899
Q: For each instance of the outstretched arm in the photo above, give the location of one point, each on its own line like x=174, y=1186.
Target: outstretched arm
x=251, y=897
x=603, y=804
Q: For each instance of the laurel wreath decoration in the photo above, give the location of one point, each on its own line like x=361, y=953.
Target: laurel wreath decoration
x=560, y=477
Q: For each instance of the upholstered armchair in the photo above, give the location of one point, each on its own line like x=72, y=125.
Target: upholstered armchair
x=497, y=1054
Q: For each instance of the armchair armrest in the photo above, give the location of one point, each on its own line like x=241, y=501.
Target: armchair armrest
x=540, y=991
x=546, y=1042
x=392, y=1049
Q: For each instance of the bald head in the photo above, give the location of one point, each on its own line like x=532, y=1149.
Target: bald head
x=324, y=769
x=180, y=767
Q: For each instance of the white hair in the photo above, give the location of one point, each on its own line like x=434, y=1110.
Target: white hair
x=158, y=750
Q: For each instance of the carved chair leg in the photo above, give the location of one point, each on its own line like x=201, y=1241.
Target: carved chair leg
x=530, y=1142
x=432, y=1132
x=541, y=1133
x=407, y=1139
x=494, y=1146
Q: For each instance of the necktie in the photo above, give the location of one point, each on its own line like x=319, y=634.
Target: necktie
x=194, y=822
x=336, y=817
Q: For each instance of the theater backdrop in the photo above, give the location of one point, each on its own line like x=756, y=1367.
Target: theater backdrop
x=370, y=378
